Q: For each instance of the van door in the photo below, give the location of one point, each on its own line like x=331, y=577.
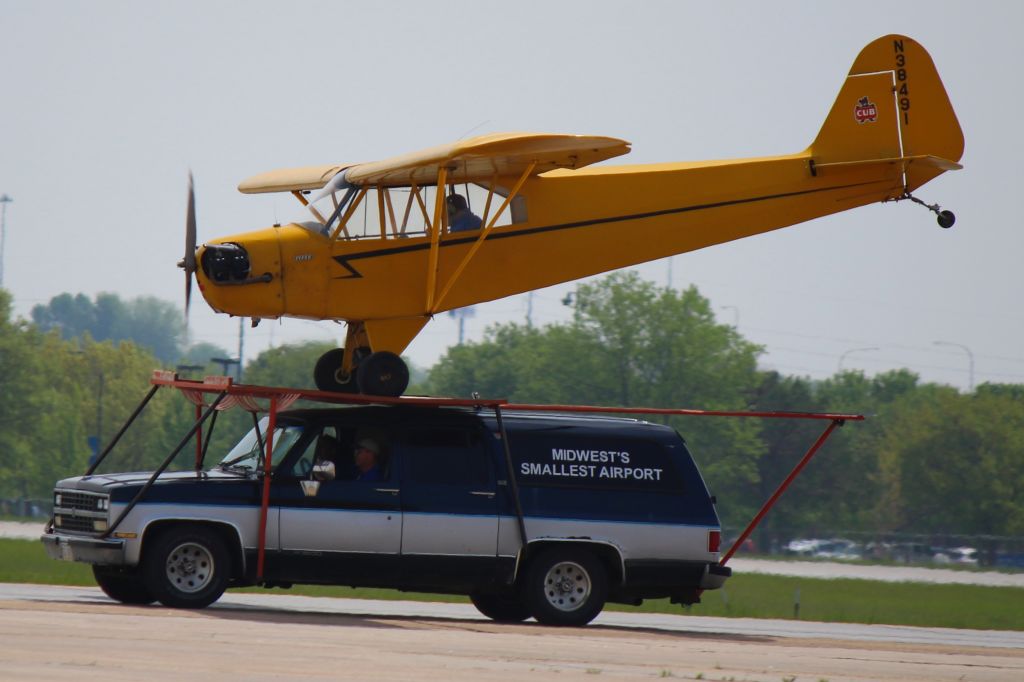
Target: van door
x=348, y=531
x=449, y=506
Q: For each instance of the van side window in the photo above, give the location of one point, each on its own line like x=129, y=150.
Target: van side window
x=331, y=444
x=440, y=455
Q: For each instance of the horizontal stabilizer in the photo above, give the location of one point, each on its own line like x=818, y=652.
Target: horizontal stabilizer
x=904, y=162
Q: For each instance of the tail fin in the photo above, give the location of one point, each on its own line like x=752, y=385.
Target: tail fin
x=892, y=108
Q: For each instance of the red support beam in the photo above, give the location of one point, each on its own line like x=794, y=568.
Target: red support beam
x=265, y=502
x=781, y=489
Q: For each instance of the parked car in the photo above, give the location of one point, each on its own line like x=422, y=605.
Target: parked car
x=838, y=549
x=961, y=556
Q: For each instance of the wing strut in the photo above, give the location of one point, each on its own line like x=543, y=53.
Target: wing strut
x=435, y=237
x=480, y=240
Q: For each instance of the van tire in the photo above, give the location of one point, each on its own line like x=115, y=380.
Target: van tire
x=566, y=586
x=503, y=608
x=187, y=567
x=122, y=586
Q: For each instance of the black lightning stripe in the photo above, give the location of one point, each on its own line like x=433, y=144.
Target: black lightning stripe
x=344, y=261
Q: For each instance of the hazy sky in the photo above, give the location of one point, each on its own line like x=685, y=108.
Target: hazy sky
x=104, y=106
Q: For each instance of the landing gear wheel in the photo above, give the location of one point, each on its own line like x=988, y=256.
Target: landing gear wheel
x=383, y=373
x=187, y=567
x=946, y=219
x=503, y=608
x=327, y=374
x=566, y=586
x=123, y=586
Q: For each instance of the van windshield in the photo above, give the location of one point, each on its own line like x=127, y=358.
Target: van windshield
x=248, y=453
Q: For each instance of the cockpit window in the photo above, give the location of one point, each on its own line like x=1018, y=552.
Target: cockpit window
x=401, y=212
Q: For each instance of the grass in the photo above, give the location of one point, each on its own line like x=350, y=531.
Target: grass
x=747, y=595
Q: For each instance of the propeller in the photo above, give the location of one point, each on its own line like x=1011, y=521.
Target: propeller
x=188, y=263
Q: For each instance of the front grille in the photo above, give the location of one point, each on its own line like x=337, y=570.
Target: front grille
x=75, y=511
x=73, y=524
x=76, y=499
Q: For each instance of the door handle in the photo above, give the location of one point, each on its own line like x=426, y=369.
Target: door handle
x=482, y=493
x=393, y=491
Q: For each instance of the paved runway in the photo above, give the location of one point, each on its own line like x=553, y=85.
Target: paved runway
x=60, y=633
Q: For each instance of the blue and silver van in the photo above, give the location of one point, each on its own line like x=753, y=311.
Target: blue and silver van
x=562, y=515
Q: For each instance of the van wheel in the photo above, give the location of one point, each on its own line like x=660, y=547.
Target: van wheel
x=187, y=567
x=566, y=586
x=502, y=608
x=122, y=586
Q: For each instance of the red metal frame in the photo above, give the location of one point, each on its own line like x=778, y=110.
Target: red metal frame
x=278, y=394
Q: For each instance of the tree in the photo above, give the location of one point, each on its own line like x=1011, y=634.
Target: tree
x=145, y=320
x=954, y=463
x=288, y=365
x=37, y=431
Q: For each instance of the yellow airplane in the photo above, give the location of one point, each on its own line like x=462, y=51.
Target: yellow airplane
x=384, y=246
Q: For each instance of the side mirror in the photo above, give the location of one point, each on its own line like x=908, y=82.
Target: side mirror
x=323, y=471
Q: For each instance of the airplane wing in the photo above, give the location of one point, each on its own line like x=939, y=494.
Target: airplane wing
x=474, y=159
x=289, y=179
x=481, y=158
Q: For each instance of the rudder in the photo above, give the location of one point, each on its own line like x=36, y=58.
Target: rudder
x=891, y=106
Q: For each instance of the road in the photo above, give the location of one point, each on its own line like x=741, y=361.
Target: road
x=57, y=633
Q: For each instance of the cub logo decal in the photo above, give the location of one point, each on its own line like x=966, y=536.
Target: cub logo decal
x=865, y=111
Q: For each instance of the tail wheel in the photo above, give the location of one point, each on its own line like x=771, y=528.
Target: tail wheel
x=566, y=586
x=383, y=373
x=187, y=567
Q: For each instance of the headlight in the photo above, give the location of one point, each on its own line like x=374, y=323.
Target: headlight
x=103, y=504
x=56, y=499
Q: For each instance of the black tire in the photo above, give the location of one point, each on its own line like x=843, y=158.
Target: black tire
x=122, y=585
x=327, y=373
x=503, y=608
x=946, y=219
x=187, y=567
x=566, y=586
x=383, y=373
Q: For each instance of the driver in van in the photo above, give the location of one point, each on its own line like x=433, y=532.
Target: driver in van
x=367, y=459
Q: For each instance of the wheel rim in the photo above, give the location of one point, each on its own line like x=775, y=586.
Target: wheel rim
x=567, y=586
x=189, y=567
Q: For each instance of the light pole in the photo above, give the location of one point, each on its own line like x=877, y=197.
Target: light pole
x=227, y=362
x=461, y=314
x=4, y=200
x=970, y=361
x=100, y=380
x=839, y=367
x=189, y=368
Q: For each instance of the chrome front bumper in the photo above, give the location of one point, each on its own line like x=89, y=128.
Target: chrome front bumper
x=102, y=551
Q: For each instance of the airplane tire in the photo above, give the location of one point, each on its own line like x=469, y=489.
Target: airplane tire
x=327, y=371
x=383, y=373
